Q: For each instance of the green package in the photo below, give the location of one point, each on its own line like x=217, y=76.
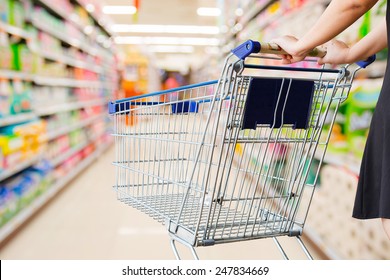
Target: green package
x=358, y=116
x=16, y=13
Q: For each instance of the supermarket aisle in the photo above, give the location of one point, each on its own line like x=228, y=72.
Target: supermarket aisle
x=87, y=222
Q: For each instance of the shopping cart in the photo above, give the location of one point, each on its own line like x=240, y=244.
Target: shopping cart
x=228, y=160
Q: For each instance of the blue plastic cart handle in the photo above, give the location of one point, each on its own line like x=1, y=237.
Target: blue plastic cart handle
x=246, y=49
x=368, y=61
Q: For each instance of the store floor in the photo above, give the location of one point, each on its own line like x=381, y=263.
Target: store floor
x=85, y=221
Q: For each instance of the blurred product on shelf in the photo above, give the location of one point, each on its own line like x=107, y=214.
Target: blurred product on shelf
x=359, y=112
x=19, y=191
x=21, y=142
x=15, y=97
x=5, y=96
x=6, y=53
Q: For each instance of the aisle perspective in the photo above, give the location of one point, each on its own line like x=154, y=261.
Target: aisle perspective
x=63, y=61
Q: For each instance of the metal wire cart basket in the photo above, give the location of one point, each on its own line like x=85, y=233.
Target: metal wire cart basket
x=228, y=160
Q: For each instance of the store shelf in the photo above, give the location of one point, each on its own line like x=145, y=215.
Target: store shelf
x=10, y=74
x=13, y=30
x=37, y=204
x=24, y=117
x=66, y=82
x=63, y=37
x=49, y=81
x=9, y=120
x=68, y=107
x=68, y=60
x=64, y=130
x=21, y=166
x=61, y=158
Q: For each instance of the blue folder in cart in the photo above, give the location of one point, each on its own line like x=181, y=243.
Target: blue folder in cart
x=277, y=102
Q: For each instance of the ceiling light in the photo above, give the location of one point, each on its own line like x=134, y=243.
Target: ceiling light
x=133, y=40
x=119, y=10
x=182, y=29
x=208, y=12
x=171, y=49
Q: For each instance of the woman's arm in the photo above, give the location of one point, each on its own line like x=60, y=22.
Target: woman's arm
x=338, y=52
x=339, y=15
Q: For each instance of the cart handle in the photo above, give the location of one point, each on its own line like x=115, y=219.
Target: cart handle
x=249, y=47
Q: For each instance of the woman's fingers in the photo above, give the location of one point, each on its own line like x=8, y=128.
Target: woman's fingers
x=336, y=53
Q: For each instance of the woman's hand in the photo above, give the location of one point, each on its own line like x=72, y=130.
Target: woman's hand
x=290, y=44
x=337, y=52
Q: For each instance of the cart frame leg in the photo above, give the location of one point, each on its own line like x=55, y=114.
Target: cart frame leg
x=176, y=252
x=299, y=240
x=280, y=248
x=304, y=248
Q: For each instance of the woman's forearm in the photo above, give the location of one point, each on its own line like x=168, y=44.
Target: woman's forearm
x=372, y=43
x=337, y=17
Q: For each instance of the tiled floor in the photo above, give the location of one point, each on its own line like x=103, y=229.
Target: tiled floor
x=85, y=221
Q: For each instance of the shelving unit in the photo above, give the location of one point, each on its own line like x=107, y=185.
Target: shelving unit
x=90, y=65
x=11, y=74
x=13, y=30
x=68, y=61
x=69, y=107
x=64, y=130
x=16, y=119
x=51, y=81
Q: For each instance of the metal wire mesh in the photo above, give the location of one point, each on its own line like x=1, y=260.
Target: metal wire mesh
x=184, y=159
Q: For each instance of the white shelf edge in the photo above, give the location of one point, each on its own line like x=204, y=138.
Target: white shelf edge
x=12, y=74
x=19, y=118
x=69, y=107
x=68, y=61
x=65, y=82
x=14, y=30
x=49, y=81
x=26, y=213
